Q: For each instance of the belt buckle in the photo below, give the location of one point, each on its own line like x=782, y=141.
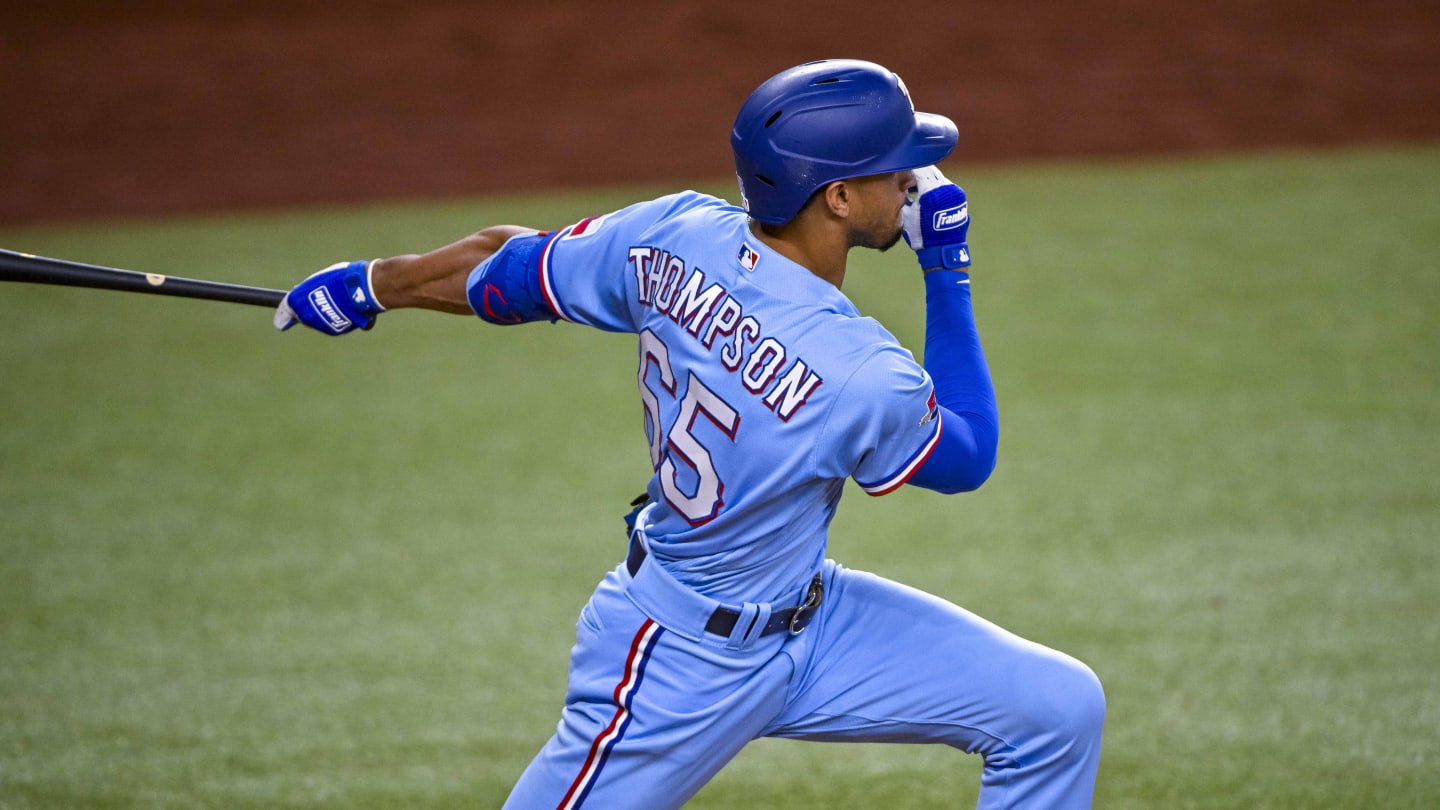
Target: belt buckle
x=813, y=597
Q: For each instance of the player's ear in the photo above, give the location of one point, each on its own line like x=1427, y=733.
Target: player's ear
x=837, y=198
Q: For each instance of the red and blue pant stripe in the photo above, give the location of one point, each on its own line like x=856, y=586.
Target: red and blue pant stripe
x=640, y=649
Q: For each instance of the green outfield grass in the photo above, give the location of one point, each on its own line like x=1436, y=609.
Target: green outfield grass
x=243, y=569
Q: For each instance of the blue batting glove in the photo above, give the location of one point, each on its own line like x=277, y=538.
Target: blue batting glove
x=937, y=221
x=334, y=301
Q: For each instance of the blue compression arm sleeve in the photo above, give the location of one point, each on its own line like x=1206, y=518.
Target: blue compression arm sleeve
x=965, y=455
x=505, y=288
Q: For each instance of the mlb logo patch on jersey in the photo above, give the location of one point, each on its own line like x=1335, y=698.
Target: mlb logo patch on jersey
x=748, y=257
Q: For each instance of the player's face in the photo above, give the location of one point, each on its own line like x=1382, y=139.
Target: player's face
x=879, y=200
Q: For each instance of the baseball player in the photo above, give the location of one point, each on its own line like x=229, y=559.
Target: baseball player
x=763, y=390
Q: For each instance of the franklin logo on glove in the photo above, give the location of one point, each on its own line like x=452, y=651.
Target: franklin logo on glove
x=320, y=299
x=334, y=301
x=936, y=221
x=952, y=217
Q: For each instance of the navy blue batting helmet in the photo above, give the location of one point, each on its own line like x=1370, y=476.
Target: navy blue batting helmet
x=826, y=121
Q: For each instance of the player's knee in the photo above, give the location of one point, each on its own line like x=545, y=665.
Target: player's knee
x=1067, y=703
x=1084, y=713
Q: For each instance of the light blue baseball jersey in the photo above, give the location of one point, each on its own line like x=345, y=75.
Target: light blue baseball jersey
x=763, y=388
x=763, y=391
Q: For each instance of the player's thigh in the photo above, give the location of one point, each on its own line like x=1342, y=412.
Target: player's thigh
x=889, y=663
x=650, y=716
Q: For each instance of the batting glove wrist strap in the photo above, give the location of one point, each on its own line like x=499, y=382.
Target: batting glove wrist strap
x=946, y=257
x=936, y=221
x=334, y=301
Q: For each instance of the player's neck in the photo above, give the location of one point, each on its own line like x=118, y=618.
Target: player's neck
x=825, y=257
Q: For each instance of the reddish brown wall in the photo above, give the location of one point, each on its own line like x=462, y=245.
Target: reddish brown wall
x=176, y=107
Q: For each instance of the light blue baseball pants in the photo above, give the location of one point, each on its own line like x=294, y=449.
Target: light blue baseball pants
x=656, y=706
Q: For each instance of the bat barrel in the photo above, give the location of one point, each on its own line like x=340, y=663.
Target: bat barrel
x=41, y=270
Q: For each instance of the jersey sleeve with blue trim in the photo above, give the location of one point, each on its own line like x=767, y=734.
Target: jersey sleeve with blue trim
x=586, y=271
x=884, y=424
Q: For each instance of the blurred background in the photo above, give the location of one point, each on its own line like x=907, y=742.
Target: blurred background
x=160, y=106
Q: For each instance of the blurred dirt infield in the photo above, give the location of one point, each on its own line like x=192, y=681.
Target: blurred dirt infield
x=171, y=107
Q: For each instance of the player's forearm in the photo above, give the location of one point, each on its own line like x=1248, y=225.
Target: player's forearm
x=437, y=280
x=953, y=353
x=956, y=362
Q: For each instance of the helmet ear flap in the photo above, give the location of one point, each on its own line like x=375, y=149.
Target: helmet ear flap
x=825, y=121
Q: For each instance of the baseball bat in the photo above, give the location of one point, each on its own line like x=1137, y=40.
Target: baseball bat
x=41, y=270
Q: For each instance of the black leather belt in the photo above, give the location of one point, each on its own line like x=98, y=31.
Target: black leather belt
x=722, y=621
